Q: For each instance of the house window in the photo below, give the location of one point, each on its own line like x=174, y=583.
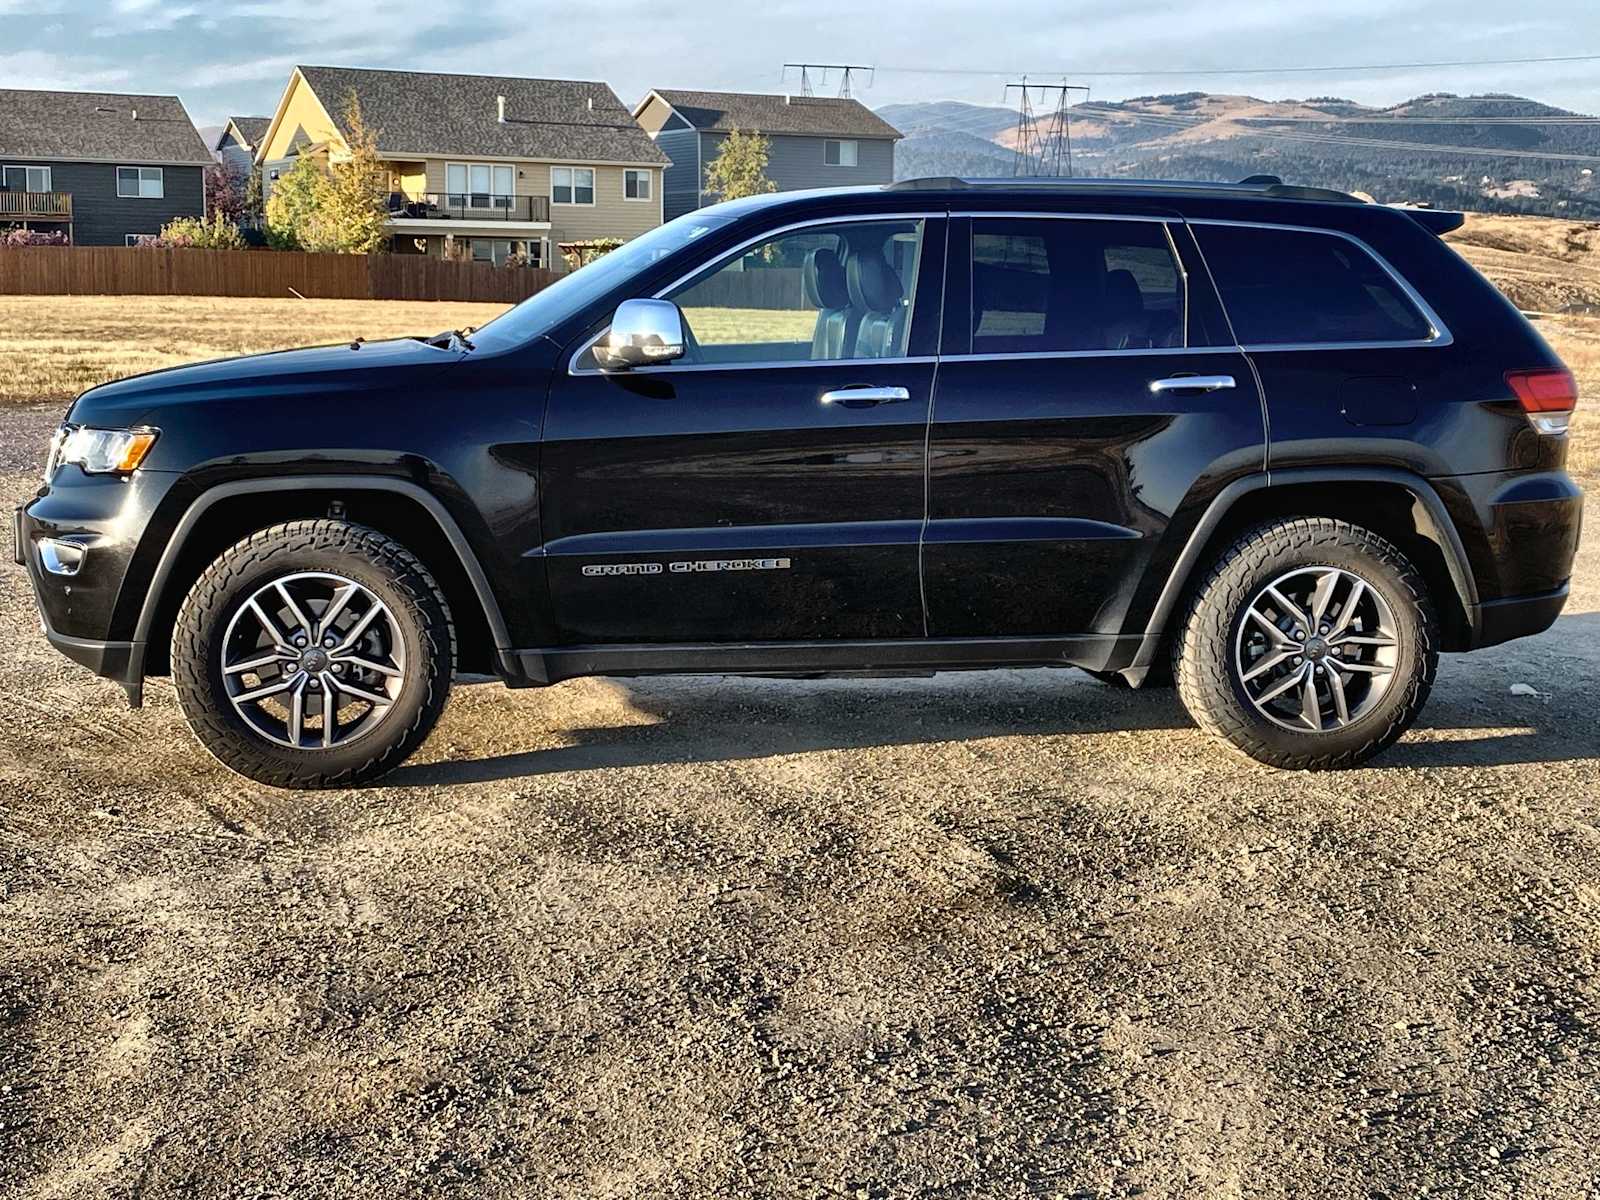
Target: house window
x=140, y=183
x=26, y=179
x=493, y=250
x=839, y=154
x=636, y=185
x=572, y=185
x=479, y=185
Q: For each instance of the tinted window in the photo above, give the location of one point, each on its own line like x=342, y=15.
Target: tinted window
x=1285, y=286
x=824, y=293
x=1051, y=285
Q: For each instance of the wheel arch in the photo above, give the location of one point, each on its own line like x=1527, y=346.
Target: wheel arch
x=223, y=514
x=1395, y=504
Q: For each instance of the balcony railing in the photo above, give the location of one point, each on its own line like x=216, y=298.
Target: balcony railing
x=35, y=206
x=467, y=206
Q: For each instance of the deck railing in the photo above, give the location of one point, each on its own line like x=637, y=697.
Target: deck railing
x=35, y=206
x=467, y=206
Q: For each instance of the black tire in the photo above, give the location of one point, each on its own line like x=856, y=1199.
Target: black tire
x=390, y=573
x=1206, y=660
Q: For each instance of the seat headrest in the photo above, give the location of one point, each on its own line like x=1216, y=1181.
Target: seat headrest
x=873, y=284
x=1123, y=297
x=823, y=281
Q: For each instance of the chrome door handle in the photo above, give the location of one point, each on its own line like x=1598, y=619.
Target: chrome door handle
x=1192, y=383
x=865, y=397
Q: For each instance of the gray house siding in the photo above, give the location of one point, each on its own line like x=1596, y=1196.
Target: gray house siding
x=795, y=162
x=102, y=218
x=236, y=156
x=680, y=189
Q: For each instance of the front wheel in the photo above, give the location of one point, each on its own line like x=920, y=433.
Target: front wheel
x=313, y=654
x=1312, y=644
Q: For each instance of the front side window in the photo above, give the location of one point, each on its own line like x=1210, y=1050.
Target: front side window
x=572, y=185
x=820, y=294
x=636, y=185
x=839, y=154
x=25, y=179
x=1300, y=287
x=1042, y=285
x=141, y=183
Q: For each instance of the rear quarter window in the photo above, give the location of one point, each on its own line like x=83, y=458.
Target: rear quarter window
x=1299, y=287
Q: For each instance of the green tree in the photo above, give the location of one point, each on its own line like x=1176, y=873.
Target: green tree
x=340, y=209
x=292, y=207
x=740, y=167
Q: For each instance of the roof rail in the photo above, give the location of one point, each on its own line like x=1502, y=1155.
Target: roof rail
x=1268, y=186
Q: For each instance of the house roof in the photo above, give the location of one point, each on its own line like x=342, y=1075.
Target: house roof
x=251, y=130
x=98, y=127
x=816, y=116
x=417, y=112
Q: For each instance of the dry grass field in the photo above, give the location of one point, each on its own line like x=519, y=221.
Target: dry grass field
x=56, y=346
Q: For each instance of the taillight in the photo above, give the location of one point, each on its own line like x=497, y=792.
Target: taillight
x=1548, y=395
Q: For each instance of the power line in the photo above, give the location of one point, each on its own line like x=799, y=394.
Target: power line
x=1298, y=70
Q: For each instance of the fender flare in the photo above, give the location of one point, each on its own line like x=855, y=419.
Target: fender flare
x=1455, y=554
x=246, y=487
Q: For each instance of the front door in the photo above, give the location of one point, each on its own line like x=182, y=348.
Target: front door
x=1090, y=392
x=770, y=485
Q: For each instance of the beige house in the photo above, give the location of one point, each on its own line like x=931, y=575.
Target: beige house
x=481, y=166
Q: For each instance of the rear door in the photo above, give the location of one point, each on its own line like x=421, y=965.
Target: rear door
x=770, y=485
x=1089, y=391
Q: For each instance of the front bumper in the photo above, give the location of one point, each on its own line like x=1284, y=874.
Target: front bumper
x=90, y=616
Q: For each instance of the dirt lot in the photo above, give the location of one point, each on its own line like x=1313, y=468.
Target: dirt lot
x=999, y=934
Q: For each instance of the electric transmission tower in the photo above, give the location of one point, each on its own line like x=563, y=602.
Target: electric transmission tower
x=847, y=74
x=1044, y=144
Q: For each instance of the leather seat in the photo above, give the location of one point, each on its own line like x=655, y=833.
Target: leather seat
x=825, y=289
x=876, y=292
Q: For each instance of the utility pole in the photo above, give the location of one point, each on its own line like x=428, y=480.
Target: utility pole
x=847, y=73
x=1047, y=153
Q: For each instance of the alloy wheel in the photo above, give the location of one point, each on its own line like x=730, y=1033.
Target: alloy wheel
x=1317, y=649
x=313, y=660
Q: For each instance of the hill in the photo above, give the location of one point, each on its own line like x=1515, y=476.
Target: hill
x=1481, y=153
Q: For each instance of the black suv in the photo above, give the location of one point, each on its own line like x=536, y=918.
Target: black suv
x=1281, y=442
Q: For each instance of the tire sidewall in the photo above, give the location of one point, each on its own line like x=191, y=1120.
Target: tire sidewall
x=426, y=669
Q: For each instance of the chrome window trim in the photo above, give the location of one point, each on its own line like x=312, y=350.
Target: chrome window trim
x=1136, y=352
x=855, y=219
x=1441, y=333
x=1020, y=214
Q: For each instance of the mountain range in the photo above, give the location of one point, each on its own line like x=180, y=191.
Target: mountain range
x=1483, y=153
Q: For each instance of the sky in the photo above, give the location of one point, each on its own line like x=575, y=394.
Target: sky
x=227, y=59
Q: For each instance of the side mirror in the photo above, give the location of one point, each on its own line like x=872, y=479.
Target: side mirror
x=642, y=332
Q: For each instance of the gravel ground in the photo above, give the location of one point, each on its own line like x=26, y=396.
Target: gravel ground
x=1012, y=933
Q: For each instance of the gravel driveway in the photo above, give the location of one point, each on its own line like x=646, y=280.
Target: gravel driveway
x=1000, y=934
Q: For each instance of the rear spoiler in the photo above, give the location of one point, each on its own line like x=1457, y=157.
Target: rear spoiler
x=1434, y=220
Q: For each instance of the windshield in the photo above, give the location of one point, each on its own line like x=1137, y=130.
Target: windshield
x=573, y=292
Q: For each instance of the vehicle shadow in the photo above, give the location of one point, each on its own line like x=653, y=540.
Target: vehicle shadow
x=724, y=719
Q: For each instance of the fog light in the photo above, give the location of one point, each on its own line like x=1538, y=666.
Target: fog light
x=60, y=557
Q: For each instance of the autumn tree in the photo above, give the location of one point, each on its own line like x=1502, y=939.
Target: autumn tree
x=740, y=167
x=225, y=192
x=340, y=209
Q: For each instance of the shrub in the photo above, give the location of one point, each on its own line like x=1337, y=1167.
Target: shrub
x=192, y=233
x=15, y=239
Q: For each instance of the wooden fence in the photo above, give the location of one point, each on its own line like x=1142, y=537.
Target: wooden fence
x=138, y=271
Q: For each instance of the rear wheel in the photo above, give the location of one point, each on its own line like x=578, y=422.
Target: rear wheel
x=1312, y=644
x=313, y=654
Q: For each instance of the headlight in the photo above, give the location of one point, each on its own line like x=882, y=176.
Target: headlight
x=100, y=451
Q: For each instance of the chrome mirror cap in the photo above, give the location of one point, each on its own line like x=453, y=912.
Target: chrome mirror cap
x=642, y=332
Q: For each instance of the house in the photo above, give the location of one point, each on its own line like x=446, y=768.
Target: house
x=235, y=147
x=102, y=168
x=814, y=141
x=482, y=166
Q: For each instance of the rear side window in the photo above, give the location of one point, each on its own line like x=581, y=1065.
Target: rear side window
x=1048, y=285
x=1297, y=287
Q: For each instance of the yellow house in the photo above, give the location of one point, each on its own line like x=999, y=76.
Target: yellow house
x=484, y=167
